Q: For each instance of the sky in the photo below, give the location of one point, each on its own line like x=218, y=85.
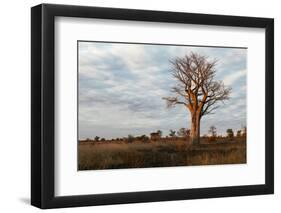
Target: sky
x=121, y=87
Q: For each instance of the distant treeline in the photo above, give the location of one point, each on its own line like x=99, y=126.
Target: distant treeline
x=181, y=134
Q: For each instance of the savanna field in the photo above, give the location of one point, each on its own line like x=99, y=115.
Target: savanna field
x=198, y=83
x=164, y=152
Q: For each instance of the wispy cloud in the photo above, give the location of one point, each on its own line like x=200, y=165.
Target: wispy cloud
x=230, y=79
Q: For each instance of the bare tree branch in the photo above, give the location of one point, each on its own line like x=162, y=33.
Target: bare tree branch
x=172, y=101
x=195, y=74
x=197, y=89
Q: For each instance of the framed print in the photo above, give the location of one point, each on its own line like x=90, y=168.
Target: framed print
x=136, y=106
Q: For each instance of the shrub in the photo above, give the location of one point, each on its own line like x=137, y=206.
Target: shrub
x=172, y=133
x=230, y=133
x=130, y=138
x=144, y=138
x=160, y=133
x=182, y=132
x=238, y=134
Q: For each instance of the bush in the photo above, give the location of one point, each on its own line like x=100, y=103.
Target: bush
x=130, y=138
x=230, y=133
x=172, y=133
x=238, y=134
x=144, y=138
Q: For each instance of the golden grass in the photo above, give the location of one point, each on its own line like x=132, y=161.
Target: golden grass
x=110, y=155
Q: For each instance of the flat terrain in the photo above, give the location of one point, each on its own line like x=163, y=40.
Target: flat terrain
x=160, y=153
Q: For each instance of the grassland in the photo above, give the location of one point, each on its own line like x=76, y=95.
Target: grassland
x=174, y=152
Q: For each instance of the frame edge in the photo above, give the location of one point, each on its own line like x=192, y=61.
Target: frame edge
x=269, y=116
x=36, y=85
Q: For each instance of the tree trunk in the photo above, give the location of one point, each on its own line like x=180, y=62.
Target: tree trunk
x=195, y=129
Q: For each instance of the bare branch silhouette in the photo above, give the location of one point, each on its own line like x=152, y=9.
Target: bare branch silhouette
x=197, y=89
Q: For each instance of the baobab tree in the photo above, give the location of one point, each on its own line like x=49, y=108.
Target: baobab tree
x=197, y=90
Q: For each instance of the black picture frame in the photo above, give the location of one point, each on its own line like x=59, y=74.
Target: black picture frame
x=43, y=105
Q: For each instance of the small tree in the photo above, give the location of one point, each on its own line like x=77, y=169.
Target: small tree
x=130, y=138
x=230, y=133
x=103, y=139
x=97, y=138
x=183, y=132
x=160, y=133
x=238, y=134
x=172, y=133
x=213, y=131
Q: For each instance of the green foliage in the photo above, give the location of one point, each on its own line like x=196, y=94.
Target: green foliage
x=230, y=133
x=172, y=133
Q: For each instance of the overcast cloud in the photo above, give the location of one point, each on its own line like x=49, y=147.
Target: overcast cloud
x=121, y=88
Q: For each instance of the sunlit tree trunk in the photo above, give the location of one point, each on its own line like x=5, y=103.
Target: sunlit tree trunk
x=195, y=128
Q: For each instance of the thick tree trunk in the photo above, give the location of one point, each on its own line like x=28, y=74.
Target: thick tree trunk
x=195, y=129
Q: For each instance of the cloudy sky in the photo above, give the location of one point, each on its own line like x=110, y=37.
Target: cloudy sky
x=121, y=88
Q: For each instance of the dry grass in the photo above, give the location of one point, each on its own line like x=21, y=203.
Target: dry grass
x=110, y=155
